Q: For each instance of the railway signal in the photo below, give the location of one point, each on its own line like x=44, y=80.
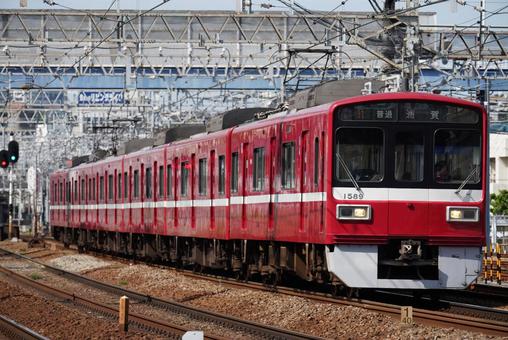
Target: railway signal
x=13, y=149
x=4, y=159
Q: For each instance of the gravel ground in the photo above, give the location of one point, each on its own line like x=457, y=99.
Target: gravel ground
x=299, y=314
x=78, y=263
x=55, y=320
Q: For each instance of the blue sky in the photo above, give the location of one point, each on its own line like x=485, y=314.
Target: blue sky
x=449, y=12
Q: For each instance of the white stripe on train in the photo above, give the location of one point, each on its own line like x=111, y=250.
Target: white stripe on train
x=367, y=194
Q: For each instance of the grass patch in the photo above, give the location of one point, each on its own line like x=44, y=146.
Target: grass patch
x=123, y=283
x=35, y=276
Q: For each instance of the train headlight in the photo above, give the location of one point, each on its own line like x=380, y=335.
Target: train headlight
x=462, y=214
x=353, y=212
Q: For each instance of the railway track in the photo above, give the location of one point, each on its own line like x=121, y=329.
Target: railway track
x=14, y=330
x=252, y=328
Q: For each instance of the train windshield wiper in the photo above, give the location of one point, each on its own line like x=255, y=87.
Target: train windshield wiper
x=468, y=178
x=348, y=172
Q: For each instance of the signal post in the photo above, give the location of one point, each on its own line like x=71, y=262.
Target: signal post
x=10, y=156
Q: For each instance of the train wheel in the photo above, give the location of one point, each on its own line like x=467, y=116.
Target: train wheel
x=352, y=292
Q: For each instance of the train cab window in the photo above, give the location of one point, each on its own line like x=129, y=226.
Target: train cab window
x=409, y=155
x=82, y=190
x=288, y=165
x=202, y=176
x=316, y=161
x=101, y=188
x=110, y=187
x=457, y=155
x=184, y=179
x=258, y=176
x=126, y=185
x=359, y=153
x=161, y=181
x=148, y=183
x=169, y=181
x=222, y=174
x=234, y=172
x=119, y=186
x=135, y=184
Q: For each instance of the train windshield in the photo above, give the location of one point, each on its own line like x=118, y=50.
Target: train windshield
x=362, y=150
x=457, y=156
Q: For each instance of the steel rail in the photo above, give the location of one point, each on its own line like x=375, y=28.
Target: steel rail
x=15, y=330
x=251, y=327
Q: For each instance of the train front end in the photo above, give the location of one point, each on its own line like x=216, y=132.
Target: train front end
x=406, y=205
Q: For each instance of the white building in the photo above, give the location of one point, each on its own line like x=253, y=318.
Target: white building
x=498, y=162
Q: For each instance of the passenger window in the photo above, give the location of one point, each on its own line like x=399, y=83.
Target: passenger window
x=126, y=185
x=234, y=172
x=119, y=187
x=202, y=176
x=316, y=161
x=136, y=184
x=82, y=190
x=222, y=174
x=360, y=154
x=101, y=188
x=169, y=181
x=148, y=183
x=259, y=169
x=110, y=187
x=184, y=178
x=288, y=165
x=409, y=156
x=161, y=181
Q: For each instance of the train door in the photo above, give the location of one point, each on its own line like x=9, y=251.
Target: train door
x=212, y=189
x=272, y=164
x=244, y=171
x=304, y=182
x=408, y=204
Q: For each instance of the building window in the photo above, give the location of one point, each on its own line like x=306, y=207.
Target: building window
x=136, y=183
x=161, y=181
x=110, y=187
x=101, y=188
x=184, y=182
x=234, y=172
x=169, y=181
x=258, y=176
x=222, y=174
x=202, y=177
x=288, y=165
x=148, y=183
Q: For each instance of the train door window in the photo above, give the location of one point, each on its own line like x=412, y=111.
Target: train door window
x=222, y=174
x=316, y=161
x=93, y=189
x=288, y=165
x=148, y=183
x=234, y=172
x=184, y=182
x=359, y=153
x=110, y=187
x=119, y=186
x=89, y=189
x=202, y=176
x=258, y=175
x=68, y=192
x=169, y=181
x=82, y=190
x=101, y=188
x=409, y=155
x=135, y=184
x=61, y=192
x=126, y=185
x=55, y=192
x=161, y=181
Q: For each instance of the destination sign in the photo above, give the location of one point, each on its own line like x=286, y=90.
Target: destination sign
x=410, y=111
x=100, y=98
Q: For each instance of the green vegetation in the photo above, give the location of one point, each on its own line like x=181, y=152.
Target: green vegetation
x=499, y=203
x=123, y=283
x=35, y=276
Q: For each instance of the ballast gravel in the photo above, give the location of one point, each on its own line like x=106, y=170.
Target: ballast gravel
x=78, y=263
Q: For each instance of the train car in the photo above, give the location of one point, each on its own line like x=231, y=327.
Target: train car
x=378, y=191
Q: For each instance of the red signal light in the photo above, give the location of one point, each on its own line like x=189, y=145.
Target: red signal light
x=4, y=159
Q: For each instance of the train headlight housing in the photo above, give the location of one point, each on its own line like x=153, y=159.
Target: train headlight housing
x=353, y=212
x=462, y=214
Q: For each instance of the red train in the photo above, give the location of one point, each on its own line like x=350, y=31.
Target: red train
x=385, y=190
